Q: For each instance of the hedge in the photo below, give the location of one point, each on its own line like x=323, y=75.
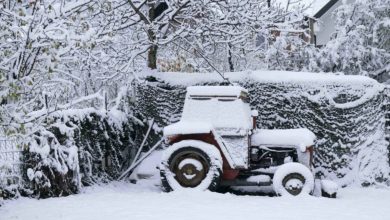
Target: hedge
x=346, y=113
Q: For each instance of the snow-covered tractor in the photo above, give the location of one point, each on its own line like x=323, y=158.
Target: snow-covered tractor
x=216, y=144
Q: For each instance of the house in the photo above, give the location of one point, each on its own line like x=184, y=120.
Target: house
x=324, y=22
x=319, y=14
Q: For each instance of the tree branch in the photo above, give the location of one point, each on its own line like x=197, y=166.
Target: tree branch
x=137, y=10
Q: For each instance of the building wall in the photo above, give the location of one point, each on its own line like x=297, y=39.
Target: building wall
x=326, y=24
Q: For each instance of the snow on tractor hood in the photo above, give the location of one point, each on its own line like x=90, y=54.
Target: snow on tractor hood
x=300, y=137
x=188, y=127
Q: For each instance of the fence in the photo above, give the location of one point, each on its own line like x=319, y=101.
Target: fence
x=10, y=163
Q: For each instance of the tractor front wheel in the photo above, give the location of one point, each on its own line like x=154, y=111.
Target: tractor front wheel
x=293, y=179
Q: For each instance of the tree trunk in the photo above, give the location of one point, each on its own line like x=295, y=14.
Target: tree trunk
x=152, y=53
x=231, y=66
x=152, y=57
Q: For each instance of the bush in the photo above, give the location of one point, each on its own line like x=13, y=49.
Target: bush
x=78, y=150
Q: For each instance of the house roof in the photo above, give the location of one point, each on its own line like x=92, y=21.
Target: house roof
x=322, y=10
x=315, y=8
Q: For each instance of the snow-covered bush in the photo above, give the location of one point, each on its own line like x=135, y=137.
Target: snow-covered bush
x=361, y=43
x=347, y=118
x=105, y=148
x=59, y=63
x=345, y=112
x=79, y=148
x=8, y=183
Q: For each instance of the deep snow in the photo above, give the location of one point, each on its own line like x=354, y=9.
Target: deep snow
x=126, y=201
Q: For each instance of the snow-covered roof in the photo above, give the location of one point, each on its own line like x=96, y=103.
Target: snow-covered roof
x=234, y=114
x=215, y=112
x=234, y=91
x=312, y=6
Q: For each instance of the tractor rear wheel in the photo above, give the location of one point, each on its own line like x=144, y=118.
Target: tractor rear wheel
x=190, y=164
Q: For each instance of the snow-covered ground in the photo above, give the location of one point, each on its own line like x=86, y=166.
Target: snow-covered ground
x=119, y=200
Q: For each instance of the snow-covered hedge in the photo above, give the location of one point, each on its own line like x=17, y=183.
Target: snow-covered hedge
x=345, y=112
x=80, y=147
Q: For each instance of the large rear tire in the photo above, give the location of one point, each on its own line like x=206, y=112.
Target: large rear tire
x=190, y=164
x=293, y=179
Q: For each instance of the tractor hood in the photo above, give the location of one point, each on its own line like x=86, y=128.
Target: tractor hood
x=301, y=137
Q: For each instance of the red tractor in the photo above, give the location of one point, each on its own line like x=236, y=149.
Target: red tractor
x=216, y=144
